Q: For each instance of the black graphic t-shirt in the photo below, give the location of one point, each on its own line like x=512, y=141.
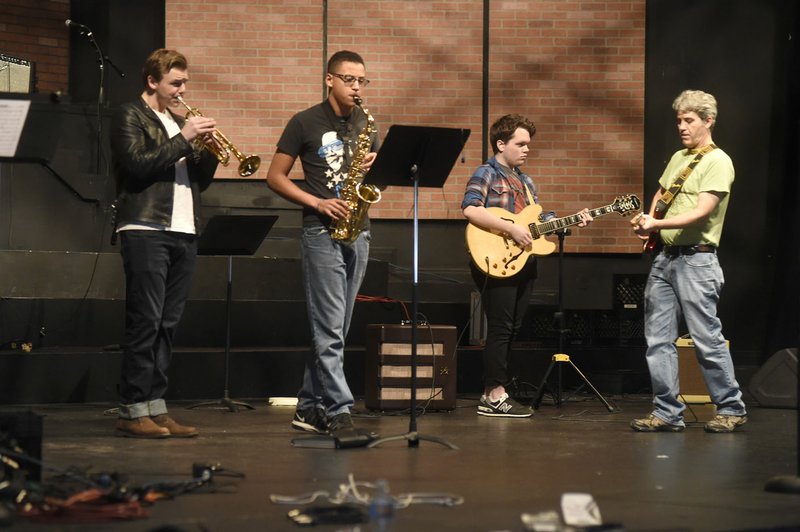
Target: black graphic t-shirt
x=324, y=143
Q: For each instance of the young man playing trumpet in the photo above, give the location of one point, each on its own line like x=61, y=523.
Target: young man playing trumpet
x=159, y=171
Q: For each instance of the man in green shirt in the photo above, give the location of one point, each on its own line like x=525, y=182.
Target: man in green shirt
x=686, y=279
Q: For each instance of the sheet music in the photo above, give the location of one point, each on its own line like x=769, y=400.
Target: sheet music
x=12, y=119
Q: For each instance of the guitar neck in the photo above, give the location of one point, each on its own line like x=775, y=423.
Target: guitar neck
x=554, y=225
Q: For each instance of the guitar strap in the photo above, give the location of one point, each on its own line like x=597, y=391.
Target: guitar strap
x=666, y=199
x=527, y=191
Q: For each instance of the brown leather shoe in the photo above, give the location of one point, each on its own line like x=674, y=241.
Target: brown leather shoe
x=141, y=427
x=175, y=429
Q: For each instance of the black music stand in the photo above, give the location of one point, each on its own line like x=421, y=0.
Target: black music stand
x=416, y=156
x=560, y=358
x=39, y=138
x=232, y=235
x=41, y=125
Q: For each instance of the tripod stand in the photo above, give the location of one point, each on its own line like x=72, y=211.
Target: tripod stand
x=232, y=235
x=559, y=359
x=408, y=155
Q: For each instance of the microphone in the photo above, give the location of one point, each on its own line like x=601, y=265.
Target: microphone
x=71, y=23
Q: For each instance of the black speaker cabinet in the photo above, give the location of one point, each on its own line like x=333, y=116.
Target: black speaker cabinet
x=388, y=367
x=775, y=382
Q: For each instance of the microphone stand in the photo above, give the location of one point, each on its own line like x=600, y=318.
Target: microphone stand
x=101, y=61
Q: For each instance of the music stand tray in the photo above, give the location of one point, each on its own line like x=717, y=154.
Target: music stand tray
x=232, y=234
x=407, y=151
x=39, y=136
x=416, y=156
x=235, y=234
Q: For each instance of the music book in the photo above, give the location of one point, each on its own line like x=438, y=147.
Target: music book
x=13, y=114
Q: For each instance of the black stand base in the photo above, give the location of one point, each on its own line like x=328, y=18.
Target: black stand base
x=347, y=439
x=783, y=484
x=413, y=440
x=561, y=359
x=224, y=403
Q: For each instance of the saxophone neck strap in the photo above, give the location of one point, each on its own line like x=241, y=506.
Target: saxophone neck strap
x=666, y=199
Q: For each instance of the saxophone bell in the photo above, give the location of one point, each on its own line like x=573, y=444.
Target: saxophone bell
x=368, y=193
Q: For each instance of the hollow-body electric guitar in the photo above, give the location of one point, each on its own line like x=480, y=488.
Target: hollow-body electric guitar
x=497, y=255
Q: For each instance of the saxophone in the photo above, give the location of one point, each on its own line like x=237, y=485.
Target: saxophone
x=359, y=196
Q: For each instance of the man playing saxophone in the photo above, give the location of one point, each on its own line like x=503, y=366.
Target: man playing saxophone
x=325, y=137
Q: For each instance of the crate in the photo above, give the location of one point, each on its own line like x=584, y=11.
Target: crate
x=388, y=367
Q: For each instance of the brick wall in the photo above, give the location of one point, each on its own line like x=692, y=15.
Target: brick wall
x=34, y=30
x=575, y=67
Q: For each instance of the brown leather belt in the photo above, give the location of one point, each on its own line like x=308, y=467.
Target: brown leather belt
x=674, y=251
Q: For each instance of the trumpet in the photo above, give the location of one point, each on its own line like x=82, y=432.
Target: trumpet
x=222, y=148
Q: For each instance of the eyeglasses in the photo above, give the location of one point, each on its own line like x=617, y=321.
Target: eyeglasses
x=349, y=80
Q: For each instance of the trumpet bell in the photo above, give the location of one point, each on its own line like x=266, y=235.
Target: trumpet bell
x=249, y=165
x=222, y=148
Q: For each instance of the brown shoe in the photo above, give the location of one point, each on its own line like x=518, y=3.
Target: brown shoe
x=652, y=423
x=725, y=423
x=175, y=429
x=141, y=427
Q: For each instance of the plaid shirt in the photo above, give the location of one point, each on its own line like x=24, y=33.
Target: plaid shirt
x=489, y=186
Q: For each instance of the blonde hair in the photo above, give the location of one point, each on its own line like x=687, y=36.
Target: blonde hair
x=702, y=103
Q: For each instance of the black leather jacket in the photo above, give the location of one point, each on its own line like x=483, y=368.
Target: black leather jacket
x=144, y=166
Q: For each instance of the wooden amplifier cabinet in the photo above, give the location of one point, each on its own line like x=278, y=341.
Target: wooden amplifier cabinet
x=690, y=376
x=388, y=367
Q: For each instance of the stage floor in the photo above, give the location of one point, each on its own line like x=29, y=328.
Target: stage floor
x=503, y=468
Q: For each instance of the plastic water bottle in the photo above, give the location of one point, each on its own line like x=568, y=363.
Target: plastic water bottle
x=381, y=508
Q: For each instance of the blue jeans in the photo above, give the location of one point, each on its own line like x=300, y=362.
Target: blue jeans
x=158, y=274
x=332, y=275
x=688, y=286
